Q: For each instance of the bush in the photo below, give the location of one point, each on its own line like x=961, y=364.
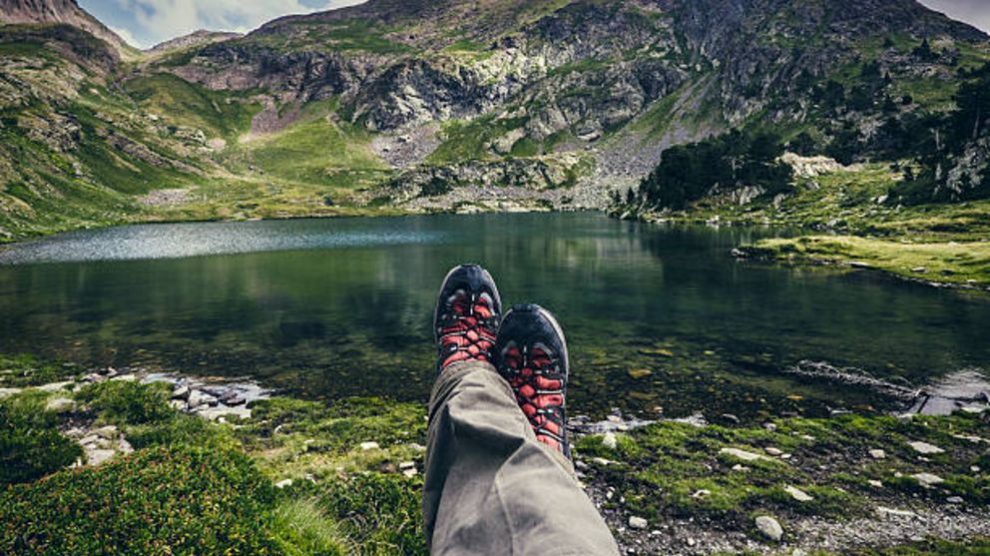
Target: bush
x=30, y=443
x=122, y=402
x=687, y=173
x=157, y=501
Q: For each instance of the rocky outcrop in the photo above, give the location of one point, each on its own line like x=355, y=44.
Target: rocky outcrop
x=66, y=12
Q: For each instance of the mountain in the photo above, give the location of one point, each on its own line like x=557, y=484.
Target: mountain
x=65, y=12
x=475, y=105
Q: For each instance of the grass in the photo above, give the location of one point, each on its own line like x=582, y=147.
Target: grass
x=954, y=263
x=673, y=469
x=216, y=113
x=469, y=140
x=319, y=149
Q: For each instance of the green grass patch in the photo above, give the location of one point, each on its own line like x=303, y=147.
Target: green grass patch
x=30, y=444
x=957, y=263
x=176, y=100
x=183, y=500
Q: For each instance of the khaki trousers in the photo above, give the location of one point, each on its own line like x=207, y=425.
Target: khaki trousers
x=491, y=487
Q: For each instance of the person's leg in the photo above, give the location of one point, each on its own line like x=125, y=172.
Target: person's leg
x=491, y=486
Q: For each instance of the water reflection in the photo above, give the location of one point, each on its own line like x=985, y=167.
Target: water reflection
x=342, y=307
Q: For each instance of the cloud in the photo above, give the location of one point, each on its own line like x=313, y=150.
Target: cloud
x=126, y=35
x=974, y=12
x=159, y=20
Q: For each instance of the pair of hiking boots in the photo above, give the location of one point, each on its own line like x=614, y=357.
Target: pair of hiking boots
x=526, y=346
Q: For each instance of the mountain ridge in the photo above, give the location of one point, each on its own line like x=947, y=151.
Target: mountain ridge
x=437, y=106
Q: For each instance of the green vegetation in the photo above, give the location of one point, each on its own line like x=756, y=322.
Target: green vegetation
x=200, y=487
x=30, y=444
x=676, y=469
x=688, y=173
x=954, y=263
x=470, y=140
x=215, y=113
x=318, y=149
x=182, y=499
x=23, y=370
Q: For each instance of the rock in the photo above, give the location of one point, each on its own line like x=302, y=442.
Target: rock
x=283, y=483
x=770, y=528
x=60, y=405
x=178, y=405
x=407, y=465
x=367, y=446
x=860, y=264
x=198, y=398
x=774, y=451
x=410, y=472
x=743, y=454
x=97, y=457
x=888, y=513
x=874, y=483
x=637, y=523
x=928, y=480
x=125, y=378
x=730, y=418
x=739, y=467
x=609, y=440
x=925, y=448
x=181, y=393
x=7, y=392
x=417, y=447
x=602, y=461
x=701, y=494
x=108, y=432
x=798, y=494
x=954, y=500
x=55, y=386
x=878, y=454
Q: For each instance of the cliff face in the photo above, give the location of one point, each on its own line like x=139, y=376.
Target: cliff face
x=66, y=12
x=464, y=91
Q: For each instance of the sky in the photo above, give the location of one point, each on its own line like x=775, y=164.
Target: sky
x=145, y=23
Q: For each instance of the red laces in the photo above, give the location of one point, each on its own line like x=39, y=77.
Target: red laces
x=539, y=387
x=470, y=330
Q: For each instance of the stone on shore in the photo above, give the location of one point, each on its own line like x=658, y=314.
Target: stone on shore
x=798, y=494
x=637, y=523
x=925, y=448
x=770, y=528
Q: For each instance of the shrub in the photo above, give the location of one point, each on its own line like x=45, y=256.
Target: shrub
x=30, y=443
x=158, y=501
x=122, y=402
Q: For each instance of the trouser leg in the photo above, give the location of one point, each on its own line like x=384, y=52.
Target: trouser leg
x=491, y=487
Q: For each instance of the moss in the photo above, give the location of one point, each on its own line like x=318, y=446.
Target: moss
x=381, y=513
x=184, y=500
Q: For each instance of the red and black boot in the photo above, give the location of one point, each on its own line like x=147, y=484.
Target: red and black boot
x=531, y=355
x=467, y=316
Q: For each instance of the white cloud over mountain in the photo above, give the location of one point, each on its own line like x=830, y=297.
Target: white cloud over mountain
x=148, y=22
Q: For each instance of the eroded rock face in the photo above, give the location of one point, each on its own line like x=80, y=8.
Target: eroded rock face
x=66, y=12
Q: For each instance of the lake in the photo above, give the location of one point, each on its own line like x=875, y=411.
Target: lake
x=660, y=319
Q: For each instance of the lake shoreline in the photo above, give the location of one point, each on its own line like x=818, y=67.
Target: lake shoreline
x=850, y=482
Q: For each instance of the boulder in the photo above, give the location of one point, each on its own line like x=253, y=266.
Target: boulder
x=770, y=528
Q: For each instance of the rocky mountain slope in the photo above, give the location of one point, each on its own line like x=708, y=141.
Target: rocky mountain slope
x=473, y=105
x=65, y=12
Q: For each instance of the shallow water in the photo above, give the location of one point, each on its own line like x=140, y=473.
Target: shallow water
x=342, y=307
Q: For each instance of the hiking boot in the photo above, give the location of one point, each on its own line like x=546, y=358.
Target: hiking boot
x=531, y=355
x=467, y=316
